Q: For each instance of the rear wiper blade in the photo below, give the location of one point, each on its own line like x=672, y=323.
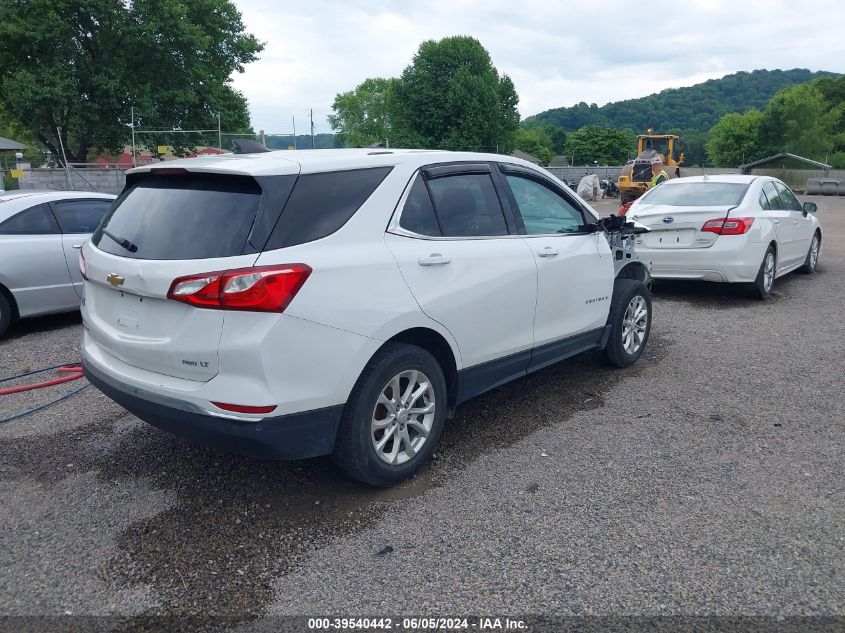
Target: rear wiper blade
x=121, y=241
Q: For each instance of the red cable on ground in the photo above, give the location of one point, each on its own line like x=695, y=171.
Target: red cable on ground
x=75, y=372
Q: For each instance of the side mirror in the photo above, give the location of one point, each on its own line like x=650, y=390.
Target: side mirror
x=809, y=207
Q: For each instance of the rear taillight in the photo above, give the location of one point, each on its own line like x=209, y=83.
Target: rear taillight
x=258, y=289
x=82, y=265
x=728, y=226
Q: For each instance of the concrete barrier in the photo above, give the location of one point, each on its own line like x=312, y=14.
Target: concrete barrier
x=814, y=186
x=830, y=188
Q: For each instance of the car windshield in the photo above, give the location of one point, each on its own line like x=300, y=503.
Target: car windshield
x=697, y=194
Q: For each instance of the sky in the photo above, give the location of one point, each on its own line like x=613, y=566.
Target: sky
x=556, y=53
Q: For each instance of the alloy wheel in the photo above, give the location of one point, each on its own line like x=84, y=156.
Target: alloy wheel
x=769, y=272
x=403, y=417
x=814, y=252
x=634, y=324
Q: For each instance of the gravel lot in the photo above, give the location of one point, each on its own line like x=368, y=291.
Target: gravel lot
x=706, y=480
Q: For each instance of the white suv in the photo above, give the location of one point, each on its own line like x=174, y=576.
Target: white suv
x=295, y=304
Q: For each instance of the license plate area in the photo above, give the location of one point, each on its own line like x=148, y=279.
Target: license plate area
x=671, y=238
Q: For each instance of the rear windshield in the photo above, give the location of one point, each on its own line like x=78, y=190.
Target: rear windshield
x=181, y=217
x=697, y=194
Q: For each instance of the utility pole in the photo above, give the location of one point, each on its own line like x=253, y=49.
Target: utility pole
x=263, y=138
x=293, y=118
x=64, y=159
x=132, y=126
x=219, y=134
x=312, y=127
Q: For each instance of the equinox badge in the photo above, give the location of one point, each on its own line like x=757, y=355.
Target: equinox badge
x=115, y=280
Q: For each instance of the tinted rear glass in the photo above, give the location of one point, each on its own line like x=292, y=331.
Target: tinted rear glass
x=182, y=217
x=467, y=206
x=697, y=194
x=322, y=203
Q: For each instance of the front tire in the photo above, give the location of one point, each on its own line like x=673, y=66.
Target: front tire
x=765, y=281
x=812, y=259
x=630, y=322
x=394, y=417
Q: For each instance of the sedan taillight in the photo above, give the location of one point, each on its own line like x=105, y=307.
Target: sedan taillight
x=258, y=289
x=728, y=226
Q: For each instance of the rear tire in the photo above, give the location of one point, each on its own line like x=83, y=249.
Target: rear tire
x=812, y=259
x=765, y=281
x=630, y=322
x=5, y=313
x=390, y=427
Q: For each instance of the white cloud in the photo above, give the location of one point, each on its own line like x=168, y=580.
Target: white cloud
x=557, y=53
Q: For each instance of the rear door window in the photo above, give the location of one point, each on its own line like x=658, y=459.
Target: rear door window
x=467, y=206
x=418, y=213
x=772, y=196
x=80, y=216
x=196, y=216
x=322, y=203
x=37, y=220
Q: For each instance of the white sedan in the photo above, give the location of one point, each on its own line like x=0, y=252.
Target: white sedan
x=41, y=233
x=727, y=228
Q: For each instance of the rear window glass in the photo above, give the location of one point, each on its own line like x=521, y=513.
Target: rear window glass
x=322, y=203
x=697, y=194
x=181, y=217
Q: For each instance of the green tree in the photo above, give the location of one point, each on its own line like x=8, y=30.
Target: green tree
x=79, y=65
x=557, y=138
x=695, y=107
x=735, y=139
x=16, y=131
x=833, y=91
x=798, y=120
x=451, y=97
x=362, y=115
x=533, y=142
x=607, y=146
x=692, y=143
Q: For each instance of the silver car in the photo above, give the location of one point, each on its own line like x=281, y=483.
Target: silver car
x=41, y=233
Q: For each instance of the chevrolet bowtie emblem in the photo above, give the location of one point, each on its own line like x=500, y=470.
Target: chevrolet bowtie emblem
x=115, y=279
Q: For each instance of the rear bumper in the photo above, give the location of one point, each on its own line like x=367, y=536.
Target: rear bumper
x=293, y=436
x=727, y=260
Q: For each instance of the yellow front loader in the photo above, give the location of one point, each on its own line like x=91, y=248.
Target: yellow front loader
x=635, y=178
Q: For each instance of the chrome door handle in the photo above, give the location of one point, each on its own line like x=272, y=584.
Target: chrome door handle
x=548, y=251
x=776, y=221
x=77, y=246
x=435, y=259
